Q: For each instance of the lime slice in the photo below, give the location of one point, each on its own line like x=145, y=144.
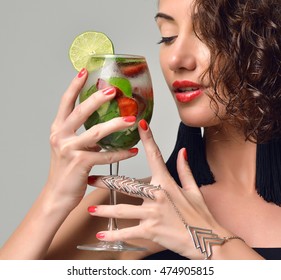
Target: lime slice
x=86, y=44
x=123, y=84
x=94, y=63
x=86, y=93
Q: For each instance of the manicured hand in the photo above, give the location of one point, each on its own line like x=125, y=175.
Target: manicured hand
x=73, y=155
x=163, y=219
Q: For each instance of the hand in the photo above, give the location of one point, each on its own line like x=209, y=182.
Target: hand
x=159, y=219
x=73, y=155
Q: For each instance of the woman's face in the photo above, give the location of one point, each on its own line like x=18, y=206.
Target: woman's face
x=183, y=59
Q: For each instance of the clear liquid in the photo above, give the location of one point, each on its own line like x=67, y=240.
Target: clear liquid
x=125, y=72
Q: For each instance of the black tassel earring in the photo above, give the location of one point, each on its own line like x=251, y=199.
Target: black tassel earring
x=191, y=139
x=268, y=163
x=268, y=171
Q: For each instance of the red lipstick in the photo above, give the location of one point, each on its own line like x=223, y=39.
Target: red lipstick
x=186, y=91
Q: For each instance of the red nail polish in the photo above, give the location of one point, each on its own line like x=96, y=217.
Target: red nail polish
x=143, y=124
x=92, y=209
x=108, y=91
x=134, y=150
x=92, y=179
x=185, y=154
x=82, y=72
x=100, y=235
x=129, y=119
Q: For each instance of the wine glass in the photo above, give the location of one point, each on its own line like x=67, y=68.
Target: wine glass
x=130, y=76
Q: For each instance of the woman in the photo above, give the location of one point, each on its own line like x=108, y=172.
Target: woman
x=221, y=61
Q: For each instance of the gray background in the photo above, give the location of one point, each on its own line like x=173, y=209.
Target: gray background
x=35, y=71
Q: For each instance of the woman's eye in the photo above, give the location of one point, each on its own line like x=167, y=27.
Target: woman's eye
x=167, y=40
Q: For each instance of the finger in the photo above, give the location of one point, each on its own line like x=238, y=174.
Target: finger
x=91, y=136
x=95, y=148
x=69, y=98
x=152, y=151
x=96, y=181
x=129, y=186
x=120, y=211
x=84, y=110
x=184, y=171
x=121, y=234
x=91, y=159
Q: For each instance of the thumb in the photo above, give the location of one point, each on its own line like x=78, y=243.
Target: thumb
x=185, y=175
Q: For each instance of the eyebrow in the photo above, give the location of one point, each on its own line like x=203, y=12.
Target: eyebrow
x=164, y=16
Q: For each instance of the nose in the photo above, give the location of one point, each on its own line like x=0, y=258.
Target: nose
x=182, y=55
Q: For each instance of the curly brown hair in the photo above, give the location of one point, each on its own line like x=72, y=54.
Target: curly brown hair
x=244, y=37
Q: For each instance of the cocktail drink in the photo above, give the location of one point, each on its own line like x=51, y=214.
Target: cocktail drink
x=130, y=76
x=134, y=95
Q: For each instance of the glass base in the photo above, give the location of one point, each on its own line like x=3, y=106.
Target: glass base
x=110, y=246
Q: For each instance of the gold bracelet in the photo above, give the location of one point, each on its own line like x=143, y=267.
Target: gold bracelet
x=233, y=237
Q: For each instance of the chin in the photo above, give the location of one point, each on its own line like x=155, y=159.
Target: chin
x=199, y=118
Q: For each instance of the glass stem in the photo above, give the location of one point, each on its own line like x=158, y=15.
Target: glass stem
x=114, y=170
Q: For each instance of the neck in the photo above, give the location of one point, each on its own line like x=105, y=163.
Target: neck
x=231, y=159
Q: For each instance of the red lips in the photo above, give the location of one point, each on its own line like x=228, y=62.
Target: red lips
x=182, y=84
x=186, y=91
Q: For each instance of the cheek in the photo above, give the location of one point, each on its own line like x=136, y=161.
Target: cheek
x=197, y=116
x=164, y=64
x=200, y=113
x=203, y=56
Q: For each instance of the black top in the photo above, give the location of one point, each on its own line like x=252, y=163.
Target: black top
x=191, y=139
x=267, y=253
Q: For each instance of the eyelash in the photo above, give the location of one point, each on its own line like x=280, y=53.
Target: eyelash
x=167, y=40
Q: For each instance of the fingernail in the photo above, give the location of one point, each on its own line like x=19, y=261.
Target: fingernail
x=100, y=235
x=129, y=119
x=134, y=150
x=185, y=154
x=82, y=72
x=108, y=91
x=92, y=209
x=92, y=180
x=143, y=124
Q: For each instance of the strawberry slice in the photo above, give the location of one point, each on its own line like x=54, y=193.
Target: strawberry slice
x=127, y=106
x=133, y=69
x=101, y=84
